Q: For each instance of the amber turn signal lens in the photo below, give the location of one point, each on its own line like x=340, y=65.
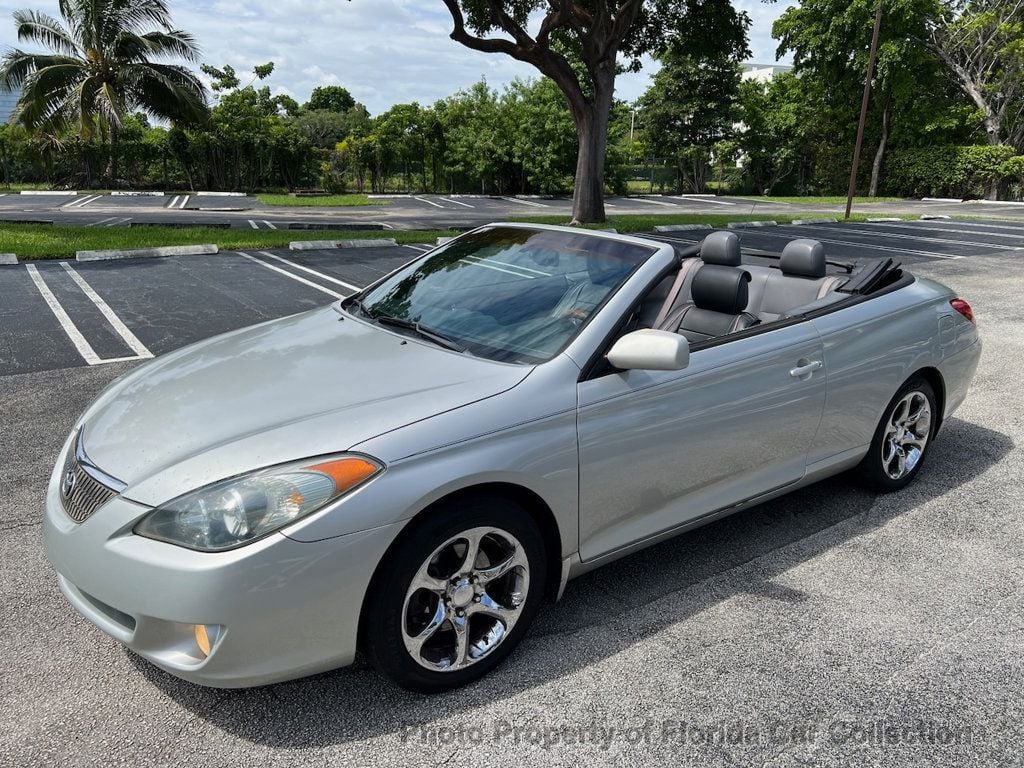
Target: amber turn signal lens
x=203, y=639
x=346, y=473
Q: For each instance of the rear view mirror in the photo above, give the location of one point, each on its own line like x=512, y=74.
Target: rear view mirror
x=650, y=350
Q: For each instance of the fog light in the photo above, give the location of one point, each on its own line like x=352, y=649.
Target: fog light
x=206, y=636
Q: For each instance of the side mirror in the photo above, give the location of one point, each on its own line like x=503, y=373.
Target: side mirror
x=650, y=350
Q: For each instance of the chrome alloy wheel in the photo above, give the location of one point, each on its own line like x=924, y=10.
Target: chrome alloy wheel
x=465, y=599
x=906, y=435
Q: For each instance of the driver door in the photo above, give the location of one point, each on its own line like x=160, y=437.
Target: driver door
x=659, y=449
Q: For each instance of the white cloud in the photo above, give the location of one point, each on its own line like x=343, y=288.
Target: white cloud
x=383, y=51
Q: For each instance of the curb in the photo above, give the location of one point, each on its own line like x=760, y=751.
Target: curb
x=999, y=202
x=883, y=220
x=932, y=216
x=941, y=200
x=750, y=224
x=315, y=245
x=823, y=220
x=181, y=224
x=356, y=227
x=132, y=193
x=220, y=194
x=142, y=253
x=204, y=208
x=8, y=258
x=65, y=192
x=26, y=221
x=681, y=227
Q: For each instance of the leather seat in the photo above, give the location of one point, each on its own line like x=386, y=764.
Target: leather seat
x=718, y=248
x=719, y=298
x=799, y=280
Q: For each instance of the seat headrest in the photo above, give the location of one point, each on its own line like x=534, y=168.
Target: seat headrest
x=720, y=289
x=721, y=248
x=804, y=258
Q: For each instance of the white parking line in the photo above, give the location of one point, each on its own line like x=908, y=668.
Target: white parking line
x=420, y=248
x=302, y=280
x=117, y=222
x=253, y=224
x=184, y=201
x=82, y=202
x=478, y=259
x=428, y=202
x=698, y=200
x=123, y=331
x=269, y=225
x=84, y=349
x=497, y=269
x=654, y=202
x=172, y=203
x=972, y=224
x=923, y=226
x=896, y=236
x=885, y=248
x=101, y=221
x=531, y=203
x=459, y=202
x=321, y=275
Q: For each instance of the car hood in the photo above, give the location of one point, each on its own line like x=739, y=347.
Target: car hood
x=306, y=385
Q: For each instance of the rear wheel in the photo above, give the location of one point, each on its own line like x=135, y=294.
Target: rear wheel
x=456, y=594
x=902, y=438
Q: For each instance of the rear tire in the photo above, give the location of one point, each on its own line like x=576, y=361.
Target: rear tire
x=902, y=438
x=439, y=616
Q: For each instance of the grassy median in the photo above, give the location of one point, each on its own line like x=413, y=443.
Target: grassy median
x=320, y=201
x=45, y=241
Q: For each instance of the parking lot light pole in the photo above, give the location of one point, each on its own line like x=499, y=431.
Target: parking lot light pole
x=864, y=109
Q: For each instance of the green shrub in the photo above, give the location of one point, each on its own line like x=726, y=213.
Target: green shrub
x=949, y=171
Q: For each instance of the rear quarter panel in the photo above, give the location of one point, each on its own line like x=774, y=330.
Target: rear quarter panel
x=870, y=349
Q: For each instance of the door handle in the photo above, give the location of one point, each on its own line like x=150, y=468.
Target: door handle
x=805, y=368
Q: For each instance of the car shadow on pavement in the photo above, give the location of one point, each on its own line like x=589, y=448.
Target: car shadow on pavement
x=603, y=612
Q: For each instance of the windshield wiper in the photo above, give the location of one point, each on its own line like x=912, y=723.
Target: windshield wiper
x=419, y=330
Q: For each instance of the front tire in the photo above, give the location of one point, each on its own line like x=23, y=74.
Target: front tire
x=902, y=438
x=456, y=594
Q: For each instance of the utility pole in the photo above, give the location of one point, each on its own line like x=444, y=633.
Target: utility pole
x=872, y=56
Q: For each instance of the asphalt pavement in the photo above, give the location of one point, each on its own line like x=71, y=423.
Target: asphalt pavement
x=830, y=627
x=422, y=211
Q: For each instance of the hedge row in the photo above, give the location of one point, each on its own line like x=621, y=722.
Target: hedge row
x=953, y=171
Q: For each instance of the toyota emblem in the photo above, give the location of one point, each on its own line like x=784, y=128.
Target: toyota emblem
x=68, y=485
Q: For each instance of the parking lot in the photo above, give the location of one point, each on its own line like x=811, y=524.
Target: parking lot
x=806, y=631
x=421, y=211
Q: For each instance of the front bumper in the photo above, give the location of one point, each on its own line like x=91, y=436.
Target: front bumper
x=287, y=609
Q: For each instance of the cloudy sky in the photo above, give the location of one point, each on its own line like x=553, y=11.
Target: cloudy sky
x=383, y=51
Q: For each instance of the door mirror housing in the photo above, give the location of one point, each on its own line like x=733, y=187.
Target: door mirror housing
x=650, y=350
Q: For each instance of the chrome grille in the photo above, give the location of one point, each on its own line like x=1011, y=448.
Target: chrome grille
x=80, y=491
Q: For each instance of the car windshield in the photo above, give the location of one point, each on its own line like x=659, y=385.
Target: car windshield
x=509, y=294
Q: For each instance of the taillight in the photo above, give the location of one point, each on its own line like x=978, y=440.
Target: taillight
x=963, y=308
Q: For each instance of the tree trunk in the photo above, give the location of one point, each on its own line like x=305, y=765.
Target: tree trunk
x=113, y=157
x=876, y=165
x=591, y=120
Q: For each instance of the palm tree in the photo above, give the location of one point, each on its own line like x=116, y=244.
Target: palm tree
x=104, y=64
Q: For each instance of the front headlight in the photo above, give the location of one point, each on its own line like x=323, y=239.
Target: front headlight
x=240, y=510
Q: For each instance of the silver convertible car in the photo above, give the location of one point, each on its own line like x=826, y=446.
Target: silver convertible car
x=412, y=471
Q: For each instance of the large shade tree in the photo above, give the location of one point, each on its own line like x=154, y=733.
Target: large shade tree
x=107, y=60
x=582, y=45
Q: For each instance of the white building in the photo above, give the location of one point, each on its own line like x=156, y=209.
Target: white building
x=763, y=73
x=8, y=99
